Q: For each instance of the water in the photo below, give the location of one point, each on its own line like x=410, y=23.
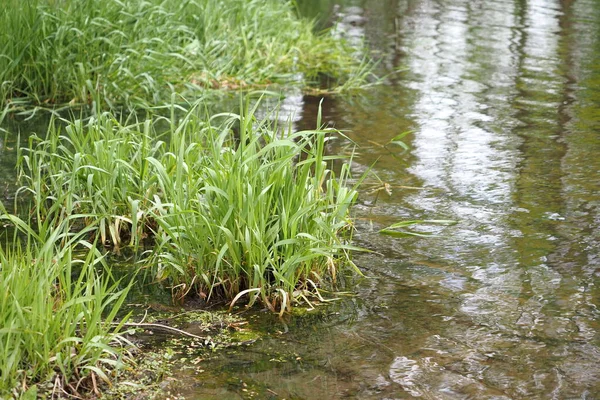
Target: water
x=502, y=101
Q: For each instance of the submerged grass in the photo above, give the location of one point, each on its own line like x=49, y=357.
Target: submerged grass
x=56, y=336
x=225, y=205
x=138, y=52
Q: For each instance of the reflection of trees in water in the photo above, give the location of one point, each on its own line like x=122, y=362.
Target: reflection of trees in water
x=503, y=95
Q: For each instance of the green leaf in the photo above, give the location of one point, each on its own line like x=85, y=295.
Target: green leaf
x=30, y=394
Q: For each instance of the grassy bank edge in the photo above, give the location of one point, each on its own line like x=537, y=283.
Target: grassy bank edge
x=137, y=53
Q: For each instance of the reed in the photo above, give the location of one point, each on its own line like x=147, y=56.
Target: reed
x=138, y=52
x=55, y=313
x=222, y=205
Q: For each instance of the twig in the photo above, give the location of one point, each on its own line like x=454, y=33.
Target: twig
x=163, y=327
x=184, y=333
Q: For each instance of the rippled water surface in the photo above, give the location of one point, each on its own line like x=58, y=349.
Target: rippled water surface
x=503, y=101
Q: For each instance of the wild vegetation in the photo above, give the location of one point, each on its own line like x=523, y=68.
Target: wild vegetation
x=139, y=52
x=225, y=205
x=56, y=312
x=230, y=207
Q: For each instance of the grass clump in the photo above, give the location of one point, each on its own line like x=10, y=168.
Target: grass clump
x=138, y=52
x=227, y=208
x=56, y=313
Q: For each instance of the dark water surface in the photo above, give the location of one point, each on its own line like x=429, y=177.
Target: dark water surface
x=504, y=101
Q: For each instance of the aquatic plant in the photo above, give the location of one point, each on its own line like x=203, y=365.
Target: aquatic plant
x=227, y=205
x=399, y=229
x=138, y=52
x=56, y=313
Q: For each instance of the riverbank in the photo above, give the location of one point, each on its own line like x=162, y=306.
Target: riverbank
x=139, y=53
x=208, y=206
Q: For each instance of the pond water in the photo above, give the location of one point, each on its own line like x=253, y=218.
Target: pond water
x=503, y=101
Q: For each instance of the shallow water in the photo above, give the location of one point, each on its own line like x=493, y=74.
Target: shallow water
x=503, y=100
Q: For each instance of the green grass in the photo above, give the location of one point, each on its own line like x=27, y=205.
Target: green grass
x=56, y=335
x=225, y=206
x=139, y=52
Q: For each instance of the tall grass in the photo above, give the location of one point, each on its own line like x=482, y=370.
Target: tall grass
x=225, y=206
x=138, y=52
x=56, y=335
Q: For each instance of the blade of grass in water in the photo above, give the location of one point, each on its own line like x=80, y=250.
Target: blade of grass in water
x=397, y=229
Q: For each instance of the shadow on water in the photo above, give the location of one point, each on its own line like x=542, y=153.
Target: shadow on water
x=502, y=101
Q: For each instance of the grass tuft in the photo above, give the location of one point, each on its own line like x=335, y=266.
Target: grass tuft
x=55, y=314
x=227, y=208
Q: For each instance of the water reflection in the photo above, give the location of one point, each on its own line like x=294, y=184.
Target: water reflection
x=501, y=97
